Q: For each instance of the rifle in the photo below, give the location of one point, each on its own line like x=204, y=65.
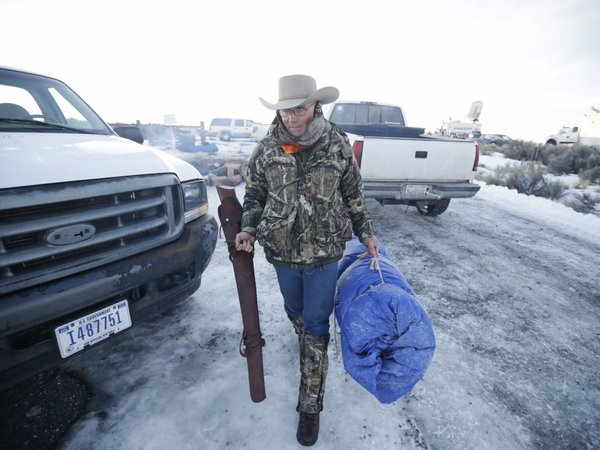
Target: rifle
x=230, y=216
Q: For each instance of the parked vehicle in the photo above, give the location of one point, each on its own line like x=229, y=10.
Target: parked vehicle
x=588, y=133
x=497, y=139
x=259, y=131
x=227, y=128
x=97, y=233
x=231, y=173
x=567, y=135
x=467, y=128
x=401, y=165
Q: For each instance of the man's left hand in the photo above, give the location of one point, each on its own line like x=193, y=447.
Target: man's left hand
x=372, y=245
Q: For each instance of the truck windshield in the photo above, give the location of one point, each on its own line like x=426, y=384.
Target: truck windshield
x=367, y=113
x=33, y=103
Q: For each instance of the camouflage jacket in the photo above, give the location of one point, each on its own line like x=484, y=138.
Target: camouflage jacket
x=303, y=207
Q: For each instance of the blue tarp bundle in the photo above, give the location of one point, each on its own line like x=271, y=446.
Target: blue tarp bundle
x=386, y=337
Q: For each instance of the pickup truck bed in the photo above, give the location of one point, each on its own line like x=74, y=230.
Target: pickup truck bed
x=421, y=159
x=422, y=172
x=401, y=165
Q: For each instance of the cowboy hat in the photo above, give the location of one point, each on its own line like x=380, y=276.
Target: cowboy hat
x=294, y=90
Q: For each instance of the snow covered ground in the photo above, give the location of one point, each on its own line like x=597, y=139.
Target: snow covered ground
x=510, y=283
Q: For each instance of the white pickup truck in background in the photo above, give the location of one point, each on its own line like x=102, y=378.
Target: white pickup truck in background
x=401, y=165
x=568, y=134
x=588, y=133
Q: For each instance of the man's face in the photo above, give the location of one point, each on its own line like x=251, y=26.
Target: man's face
x=297, y=120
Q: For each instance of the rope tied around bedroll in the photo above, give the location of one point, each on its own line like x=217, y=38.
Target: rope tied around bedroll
x=373, y=265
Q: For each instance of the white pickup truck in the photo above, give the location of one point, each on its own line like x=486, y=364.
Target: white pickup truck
x=567, y=135
x=401, y=165
x=97, y=233
x=586, y=134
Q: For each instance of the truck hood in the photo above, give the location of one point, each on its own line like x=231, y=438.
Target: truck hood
x=28, y=159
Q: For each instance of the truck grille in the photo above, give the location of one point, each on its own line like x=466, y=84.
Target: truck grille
x=52, y=231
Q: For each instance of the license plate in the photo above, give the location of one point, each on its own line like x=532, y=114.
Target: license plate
x=95, y=327
x=416, y=189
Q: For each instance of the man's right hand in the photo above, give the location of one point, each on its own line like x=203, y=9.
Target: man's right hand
x=244, y=242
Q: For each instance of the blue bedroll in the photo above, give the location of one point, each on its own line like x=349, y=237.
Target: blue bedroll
x=387, y=338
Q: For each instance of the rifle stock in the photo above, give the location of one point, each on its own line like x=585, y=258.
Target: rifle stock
x=230, y=215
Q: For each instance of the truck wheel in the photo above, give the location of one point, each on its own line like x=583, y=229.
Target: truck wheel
x=433, y=208
x=225, y=136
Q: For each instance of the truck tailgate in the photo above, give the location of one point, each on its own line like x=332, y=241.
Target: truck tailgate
x=417, y=159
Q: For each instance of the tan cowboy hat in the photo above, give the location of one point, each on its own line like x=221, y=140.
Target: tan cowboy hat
x=294, y=90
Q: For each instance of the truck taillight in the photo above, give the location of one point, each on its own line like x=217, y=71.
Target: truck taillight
x=357, y=149
x=476, y=162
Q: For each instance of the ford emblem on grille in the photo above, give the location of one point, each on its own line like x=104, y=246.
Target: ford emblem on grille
x=71, y=234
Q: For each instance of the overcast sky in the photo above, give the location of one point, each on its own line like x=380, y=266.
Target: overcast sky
x=535, y=65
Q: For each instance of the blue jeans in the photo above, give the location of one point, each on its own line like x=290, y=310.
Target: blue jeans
x=309, y=293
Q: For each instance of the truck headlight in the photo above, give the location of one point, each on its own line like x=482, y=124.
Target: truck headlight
x=195, y=199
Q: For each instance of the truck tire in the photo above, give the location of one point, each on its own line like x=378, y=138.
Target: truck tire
x=433, y=208
x=225, y=136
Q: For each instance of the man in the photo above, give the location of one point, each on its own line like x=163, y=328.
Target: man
x=303, y=201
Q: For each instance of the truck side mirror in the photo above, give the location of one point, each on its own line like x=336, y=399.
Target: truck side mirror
x=130, y=132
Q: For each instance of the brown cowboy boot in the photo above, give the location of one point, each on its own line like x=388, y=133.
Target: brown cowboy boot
x=312, y=388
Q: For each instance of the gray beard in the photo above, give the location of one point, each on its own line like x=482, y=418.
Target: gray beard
x=308, y=139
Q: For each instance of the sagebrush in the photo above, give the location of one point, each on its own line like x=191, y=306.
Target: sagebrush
x=531, y=175
x=527, y=178
x=583, y=160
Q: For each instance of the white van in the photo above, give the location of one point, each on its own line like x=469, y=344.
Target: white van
x=227, y=128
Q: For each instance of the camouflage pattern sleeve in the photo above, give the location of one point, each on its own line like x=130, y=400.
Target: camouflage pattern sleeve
x=352, y=194
x=256, y=192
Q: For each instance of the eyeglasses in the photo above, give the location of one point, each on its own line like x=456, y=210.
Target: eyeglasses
x=298, y=111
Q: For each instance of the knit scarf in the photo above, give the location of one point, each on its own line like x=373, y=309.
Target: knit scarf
x=293, y=144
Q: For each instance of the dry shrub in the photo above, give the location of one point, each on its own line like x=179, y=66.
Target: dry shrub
x=528, y=178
